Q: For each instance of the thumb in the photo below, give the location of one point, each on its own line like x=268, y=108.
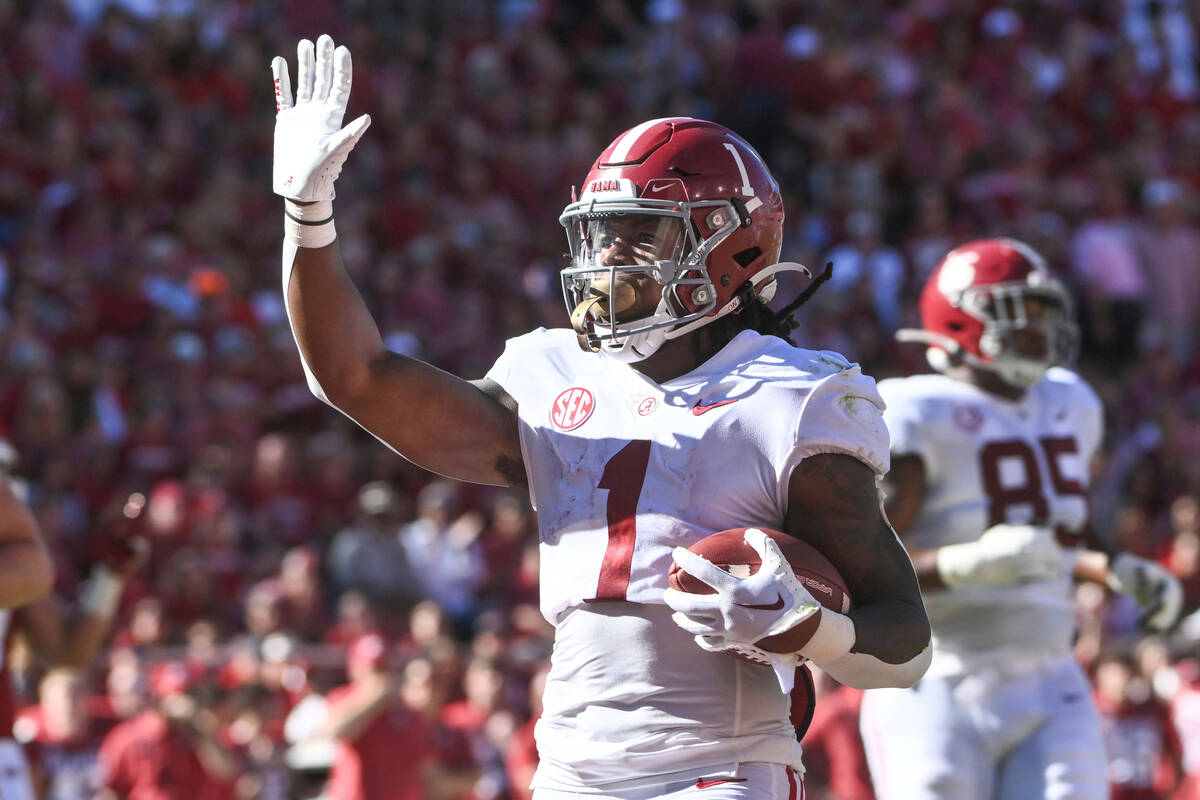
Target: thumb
x=347, y=137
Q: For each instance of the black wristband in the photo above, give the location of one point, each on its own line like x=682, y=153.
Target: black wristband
x=293, y=218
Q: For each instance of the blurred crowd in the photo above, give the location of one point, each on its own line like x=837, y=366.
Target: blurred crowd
x=307, y=587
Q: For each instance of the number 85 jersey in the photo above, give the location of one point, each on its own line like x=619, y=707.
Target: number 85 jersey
x=990, y=461
x=623, y=469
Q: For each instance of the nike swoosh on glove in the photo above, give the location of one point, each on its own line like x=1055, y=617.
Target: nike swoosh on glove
x=1157, y=592
x=310, y=143
x=742, y=610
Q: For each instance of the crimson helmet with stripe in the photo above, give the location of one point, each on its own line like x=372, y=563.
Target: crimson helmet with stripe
x=974, y=301
x=708, y=177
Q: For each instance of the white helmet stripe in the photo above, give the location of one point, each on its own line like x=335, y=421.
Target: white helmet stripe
x=621, y=151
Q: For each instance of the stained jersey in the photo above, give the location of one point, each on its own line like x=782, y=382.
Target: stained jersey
x=622, y=470
x=990, y=461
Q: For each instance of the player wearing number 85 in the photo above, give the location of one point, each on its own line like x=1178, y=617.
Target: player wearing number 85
x=988, y=490
x=672, y=408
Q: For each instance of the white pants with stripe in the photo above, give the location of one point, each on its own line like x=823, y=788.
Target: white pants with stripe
x=1029, y=733
x=751, y=781
x=16, y=782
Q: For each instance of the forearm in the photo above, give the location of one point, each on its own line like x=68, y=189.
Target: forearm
x=86, y=634
x=25, y=572
x=876, y=647
x=884, y=640
x=217, y=761
x=1092, y=566
x=924, y=560
x=350, y=719
x=338, y=339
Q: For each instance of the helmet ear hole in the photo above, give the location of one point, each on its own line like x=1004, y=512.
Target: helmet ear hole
x=745, y=258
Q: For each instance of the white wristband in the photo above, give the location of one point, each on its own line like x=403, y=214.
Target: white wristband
x=102, y=593
x=310, y=224
x=830, y=649
x=833, y=638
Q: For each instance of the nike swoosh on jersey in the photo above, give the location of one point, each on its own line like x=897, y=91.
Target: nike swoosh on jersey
x=703, y=784
x=778, y=604
x=700, y=408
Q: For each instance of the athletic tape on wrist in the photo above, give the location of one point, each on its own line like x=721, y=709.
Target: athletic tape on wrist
x=308, y=225
x=833, y=638
x=102, y=593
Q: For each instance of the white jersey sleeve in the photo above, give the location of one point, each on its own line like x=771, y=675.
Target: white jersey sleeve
x=516, y=350
x=843, y=413
x=1088, y=410
x=907, y=422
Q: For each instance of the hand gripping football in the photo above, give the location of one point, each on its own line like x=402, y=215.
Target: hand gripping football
x=729, y=551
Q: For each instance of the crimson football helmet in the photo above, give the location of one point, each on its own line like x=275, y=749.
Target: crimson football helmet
x=682, y=202
x=975, y=302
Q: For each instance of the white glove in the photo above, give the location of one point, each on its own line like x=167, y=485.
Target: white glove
x=310, y=143
x=743, y=610
x=1005, y=555
x=1156, y=591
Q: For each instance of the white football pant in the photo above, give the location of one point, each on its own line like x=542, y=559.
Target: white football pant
x=1025, y=733
x=16, y=783
x=752, y=781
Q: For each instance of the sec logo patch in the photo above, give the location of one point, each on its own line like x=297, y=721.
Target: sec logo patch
x=572, y=408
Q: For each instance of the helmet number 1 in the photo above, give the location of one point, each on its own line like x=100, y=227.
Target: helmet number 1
x=747, y=189
x=623, y=477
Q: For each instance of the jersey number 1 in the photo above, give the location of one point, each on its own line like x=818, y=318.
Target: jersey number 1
x=624, y=475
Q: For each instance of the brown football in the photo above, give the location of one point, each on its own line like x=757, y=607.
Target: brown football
x=729, y=551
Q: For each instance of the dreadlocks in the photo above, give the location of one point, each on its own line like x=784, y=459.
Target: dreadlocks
x=755, y=315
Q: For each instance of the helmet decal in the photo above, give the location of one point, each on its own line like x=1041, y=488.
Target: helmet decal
x=979, y=299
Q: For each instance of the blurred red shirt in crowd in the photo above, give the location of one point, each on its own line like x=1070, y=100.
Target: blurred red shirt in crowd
x=390, y=744
x=1143, y=748
x=833, y=748
x=168, y=751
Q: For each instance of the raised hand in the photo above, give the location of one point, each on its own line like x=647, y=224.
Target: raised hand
x=310, y=143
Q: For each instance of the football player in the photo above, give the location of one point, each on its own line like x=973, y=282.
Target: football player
x=26, y=576
x=668, y=411
x=59, y=634
x=988, y=489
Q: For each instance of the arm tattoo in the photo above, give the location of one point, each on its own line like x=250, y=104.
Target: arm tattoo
x=835, y=506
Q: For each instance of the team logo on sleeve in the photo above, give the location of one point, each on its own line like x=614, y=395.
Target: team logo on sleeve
x=572, y=408
x=968, y=417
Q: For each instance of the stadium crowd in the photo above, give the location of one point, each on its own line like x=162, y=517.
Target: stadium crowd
x=302, y=578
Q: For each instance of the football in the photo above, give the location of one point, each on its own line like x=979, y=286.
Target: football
x=729, y=551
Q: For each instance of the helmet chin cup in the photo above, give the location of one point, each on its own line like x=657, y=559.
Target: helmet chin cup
x=1018, y=372
x=635, y=347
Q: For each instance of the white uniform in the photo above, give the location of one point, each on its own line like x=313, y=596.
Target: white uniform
x=16, y=781
x=1003, y=710
x=622, y=470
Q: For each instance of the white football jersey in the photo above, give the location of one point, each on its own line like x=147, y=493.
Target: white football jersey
x=621, y=471
x=990, y=461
